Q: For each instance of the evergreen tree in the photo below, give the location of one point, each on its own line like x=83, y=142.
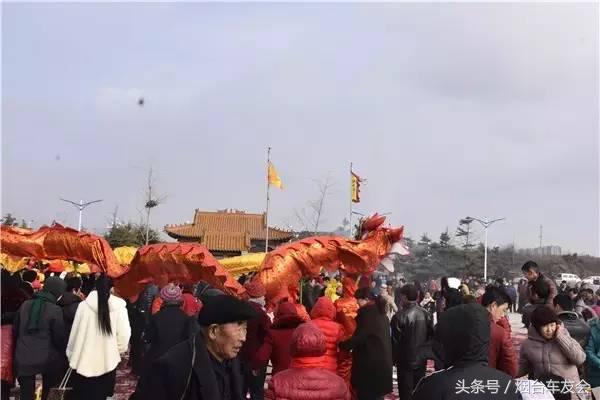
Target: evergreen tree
x=130, y=234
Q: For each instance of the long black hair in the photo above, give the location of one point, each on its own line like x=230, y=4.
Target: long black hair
x=103, y=286
x=444, y=284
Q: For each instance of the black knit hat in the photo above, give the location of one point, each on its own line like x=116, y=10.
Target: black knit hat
x=223, y=309
x=55, y=286
x=543, y=316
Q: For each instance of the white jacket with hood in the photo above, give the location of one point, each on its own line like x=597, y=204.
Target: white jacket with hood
x=90, y=352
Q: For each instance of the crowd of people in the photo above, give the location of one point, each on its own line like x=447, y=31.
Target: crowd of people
x=56, y=330
x=192, y=342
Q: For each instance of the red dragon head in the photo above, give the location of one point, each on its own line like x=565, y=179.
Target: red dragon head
x=389, y=241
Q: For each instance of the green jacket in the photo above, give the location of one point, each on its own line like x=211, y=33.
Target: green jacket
x=592, y=350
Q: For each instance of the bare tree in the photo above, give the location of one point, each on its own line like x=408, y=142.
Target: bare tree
x=317, y=206
x=113, y=221
x=302, y=219
x=151, y=202
x=311, y=216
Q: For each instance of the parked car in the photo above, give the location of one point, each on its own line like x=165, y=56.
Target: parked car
x=571, y=279
x=592, y=282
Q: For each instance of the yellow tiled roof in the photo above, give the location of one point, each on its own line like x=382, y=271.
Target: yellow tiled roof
x=226, y=230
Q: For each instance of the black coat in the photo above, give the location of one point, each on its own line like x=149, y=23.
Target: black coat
x=308, y=295
x=69, y=302
x=398, y=297
x=167, y=376
x=167, y=327
x=464, y=333
x=453, y=297
x=144, y=301
x=11, y=301
x=40, y=351
x=27, y=288
x=371, y=347
x=412, y=330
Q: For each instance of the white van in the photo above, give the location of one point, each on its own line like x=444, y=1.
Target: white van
x=592, y=282
x=571, y=279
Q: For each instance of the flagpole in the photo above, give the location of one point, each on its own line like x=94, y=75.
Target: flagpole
x=351, y=193
x=268, y=188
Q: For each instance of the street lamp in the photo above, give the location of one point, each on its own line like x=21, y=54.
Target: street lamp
x=486, y=224
x=81, y=205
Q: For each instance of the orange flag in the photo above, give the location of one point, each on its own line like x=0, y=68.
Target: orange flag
x=273, y=177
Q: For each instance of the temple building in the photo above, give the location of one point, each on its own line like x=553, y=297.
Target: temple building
x=228, y=233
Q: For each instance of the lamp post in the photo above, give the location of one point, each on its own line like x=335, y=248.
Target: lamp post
x=81, y=205
x=486, y=224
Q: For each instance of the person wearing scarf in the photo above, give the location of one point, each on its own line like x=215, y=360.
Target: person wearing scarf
x=40, y=337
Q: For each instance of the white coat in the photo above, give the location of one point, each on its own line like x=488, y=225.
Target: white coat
x=90, y=352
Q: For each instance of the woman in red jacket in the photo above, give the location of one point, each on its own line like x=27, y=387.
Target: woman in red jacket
x=305, y=379
x=279, y=338
x=323, y=316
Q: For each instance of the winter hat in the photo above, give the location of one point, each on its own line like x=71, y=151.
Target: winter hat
x=55, y=286
x=204, y=290
x=543, y=316
x=170, y=293
x=222, y=309
x=187, y=288
x=286, y=309
x=308, y=341
x=255, y=289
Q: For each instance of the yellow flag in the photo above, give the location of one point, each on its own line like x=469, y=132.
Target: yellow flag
x=355, y=182
x=273, y=177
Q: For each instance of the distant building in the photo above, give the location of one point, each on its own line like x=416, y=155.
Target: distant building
x=228, y=233
x=542, y=251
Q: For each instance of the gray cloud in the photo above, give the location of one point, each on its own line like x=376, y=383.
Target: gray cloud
x=447, y=109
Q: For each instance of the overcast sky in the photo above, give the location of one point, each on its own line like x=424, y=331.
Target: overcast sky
x=448, y=110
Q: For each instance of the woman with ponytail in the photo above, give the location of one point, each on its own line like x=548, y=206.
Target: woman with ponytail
x=99, y=336
x=371, y=347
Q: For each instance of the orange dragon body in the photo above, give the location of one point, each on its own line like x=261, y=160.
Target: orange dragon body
x=284, y=267
x=175, y=262
x=57, y=242
x=280, y=272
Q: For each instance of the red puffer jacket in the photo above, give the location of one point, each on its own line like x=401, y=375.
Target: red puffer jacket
x=190, y=305
x=501, y=353
x=305, y=381
x=279, y=337
x=323, y=316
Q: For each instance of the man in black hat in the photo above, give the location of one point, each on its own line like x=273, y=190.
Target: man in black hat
x=206, y=366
